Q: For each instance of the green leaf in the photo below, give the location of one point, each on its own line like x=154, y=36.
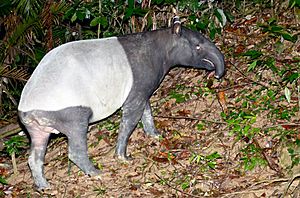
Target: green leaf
x=15, y=144
x=185, y=185
x=128, y=13
x=272, y=21
x=157, y=2
x=130, y=3
x=253, y=54
x=229, y=16
x=214, y=156
x=219, y=13
x=178, y=96
x=289, y=37
x=200, y=127
x=74, y=17
x=291, y=78
x=211, y=165
x=95, y=21
x=212, y=31
x=139, y=12
x=29, y=8
x=81, y=14
x=5, y=7
x=201, y=25
x=3, y=181
x=99, y=20
x=276, y=29
x=287, y=94
x=252, y=66
x=69, y=13
x=293, y=3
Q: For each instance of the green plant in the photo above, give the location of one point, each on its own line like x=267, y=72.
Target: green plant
x=187, y=182
x=3, y=181
x=240, y=123
x=288, y=136
x=295, y=155
x=212, y=19
x=100, y=190
x=294, y=3
x=109, y=125
x=205, y=162
x=276, y=30
x=252, y=157
x=179, y=93
x=13, y=147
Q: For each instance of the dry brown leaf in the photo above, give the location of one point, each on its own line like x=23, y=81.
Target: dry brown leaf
x=222, y=101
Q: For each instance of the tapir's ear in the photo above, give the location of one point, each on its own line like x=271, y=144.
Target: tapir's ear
x=176, y=28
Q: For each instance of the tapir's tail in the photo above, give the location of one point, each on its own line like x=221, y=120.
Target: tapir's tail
x=24, y=117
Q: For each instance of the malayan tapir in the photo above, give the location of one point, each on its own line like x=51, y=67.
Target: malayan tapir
x=85, y=81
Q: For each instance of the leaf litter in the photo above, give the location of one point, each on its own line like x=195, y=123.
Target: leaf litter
x=199, y=155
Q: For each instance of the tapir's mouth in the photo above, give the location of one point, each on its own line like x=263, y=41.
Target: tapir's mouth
x=209, y=65
x=209, y=62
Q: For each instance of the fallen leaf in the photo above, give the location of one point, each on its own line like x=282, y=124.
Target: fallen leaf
x=222, y=101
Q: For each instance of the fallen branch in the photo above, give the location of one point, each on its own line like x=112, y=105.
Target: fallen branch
x=244, y=192
x=262, y=188
x=178, y=190
x=289, y=184
x=254, y=81
x=271, y=163
x=9, y=130
x=190, y=118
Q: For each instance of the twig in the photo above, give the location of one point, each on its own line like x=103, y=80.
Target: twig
x=190, y=118
x=14, y=162
x=244, y=192
x=178, y=190
x=289, y=184
x=4, y=89
x=280, y=125
x=243, y=74
x=269, y=160
x=234, y=86
x=99, y=24
x=1, y=91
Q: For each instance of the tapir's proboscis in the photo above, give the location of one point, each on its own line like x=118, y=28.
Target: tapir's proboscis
x=85, y=81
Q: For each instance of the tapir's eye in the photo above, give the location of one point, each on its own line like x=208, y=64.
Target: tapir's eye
x=198, y=47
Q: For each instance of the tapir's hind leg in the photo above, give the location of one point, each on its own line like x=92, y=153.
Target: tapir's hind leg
x=148, y=123
x=77, y=141
x=39, y=140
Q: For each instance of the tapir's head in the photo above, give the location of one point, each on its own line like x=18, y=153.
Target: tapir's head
x=193, y=49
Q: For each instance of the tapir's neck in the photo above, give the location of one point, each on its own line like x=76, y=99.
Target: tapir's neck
x=154, y=47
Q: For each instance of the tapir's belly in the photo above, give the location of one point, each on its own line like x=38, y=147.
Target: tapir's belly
x=90, y=73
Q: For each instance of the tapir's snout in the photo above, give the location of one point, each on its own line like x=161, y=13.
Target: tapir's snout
x=215, y=61
x=219, y=65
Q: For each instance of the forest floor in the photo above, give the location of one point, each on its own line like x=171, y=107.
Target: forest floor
x=222, y=139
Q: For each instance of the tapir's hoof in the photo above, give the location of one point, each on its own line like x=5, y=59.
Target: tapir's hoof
x=43, y=186
x=94, y=172
x=96, y=177
x=126, y=159
x=155, y=134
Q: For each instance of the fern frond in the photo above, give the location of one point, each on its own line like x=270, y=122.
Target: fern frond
x=29, y=8
x=14, y=73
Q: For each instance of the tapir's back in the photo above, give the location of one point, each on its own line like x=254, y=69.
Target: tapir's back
x=91, y=73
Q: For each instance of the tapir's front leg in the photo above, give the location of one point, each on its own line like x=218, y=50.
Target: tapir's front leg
x=132, y=113
x=148, y=123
